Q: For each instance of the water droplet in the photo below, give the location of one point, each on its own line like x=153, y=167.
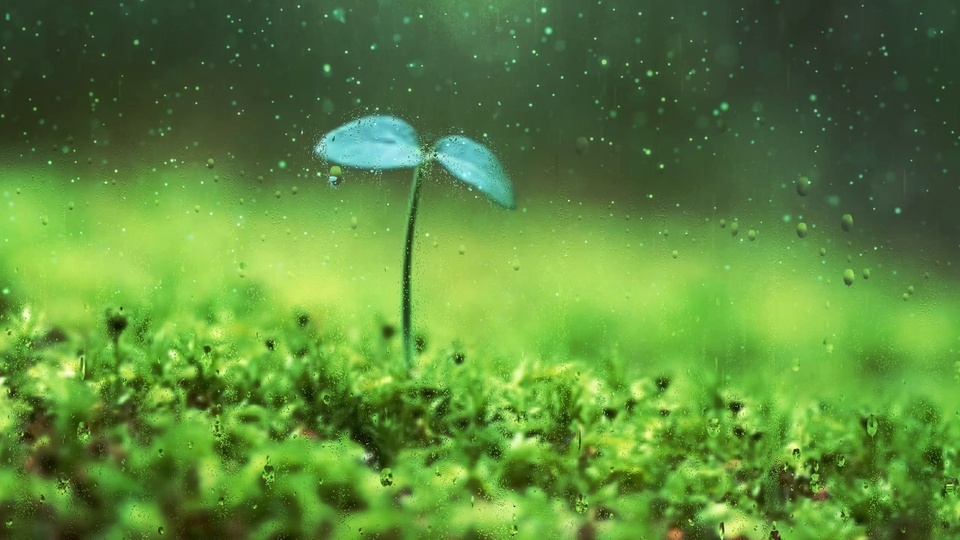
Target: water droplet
x=849, y=276
x=581, y=505
x=950, y=487
x=269, y=473
x=353, y=222
x=583, y=144
x=734, y=228
x=796, y=453
x=802, y=229
x=675, y=254
x=752, y=235
x=866, y=273
x=386, y=477
x=846, y=222
x=803, y=186
x=462, y=249
x=160, y=452
x=160, y=531
x=211, y=163
x=823, y=252
x=713, y=427
x=516, y=264
x=70, y=205
x=872, y=425
x=842, y=460
x=45, y=220
x=326, y=399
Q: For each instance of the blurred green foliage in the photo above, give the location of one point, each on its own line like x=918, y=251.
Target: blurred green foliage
x=206, y=428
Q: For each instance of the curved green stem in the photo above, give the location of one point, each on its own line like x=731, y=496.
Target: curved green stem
x=408, y=264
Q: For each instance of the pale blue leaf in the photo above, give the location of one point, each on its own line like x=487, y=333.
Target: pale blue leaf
x=372, y=142
x=473, y=164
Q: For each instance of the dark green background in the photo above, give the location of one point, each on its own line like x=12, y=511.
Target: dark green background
x=245, y=78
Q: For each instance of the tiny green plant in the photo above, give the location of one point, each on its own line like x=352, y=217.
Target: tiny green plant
x=385, y=142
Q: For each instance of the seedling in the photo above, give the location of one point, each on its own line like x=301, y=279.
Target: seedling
x=385, y=142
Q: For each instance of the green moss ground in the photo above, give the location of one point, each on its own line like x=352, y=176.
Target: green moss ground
x=576, y=379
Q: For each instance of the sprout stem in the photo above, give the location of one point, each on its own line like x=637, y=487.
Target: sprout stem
x=407, y=265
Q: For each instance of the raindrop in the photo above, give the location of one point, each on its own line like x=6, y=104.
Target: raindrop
x=849, y=276
x=842, y=460
x=734, y=228
x=872, y=425
x=866, y=273
x=462, y=249
x=802, y=229
x=160, y=531
x=752, y=235
x=583, y=144
x=210, y=163
x=803, y=186
x=846, y=222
